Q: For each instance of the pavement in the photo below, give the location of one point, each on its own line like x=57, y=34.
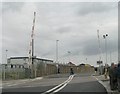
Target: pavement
x=18, y=82
x=106, y=83
x=37, y=78
x=5, y=83
x=33, y=85
x=39, y=81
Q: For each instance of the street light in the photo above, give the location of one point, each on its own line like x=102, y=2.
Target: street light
x=6, y=55
x=4, y=76
x=57, y=51
x=69, y=55
x=86, y=60
x=58, y=69
x=105, y=37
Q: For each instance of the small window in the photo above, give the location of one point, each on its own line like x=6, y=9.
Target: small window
x=8, y=60
x=11, y=66
x=5, y=66
x=15, y=66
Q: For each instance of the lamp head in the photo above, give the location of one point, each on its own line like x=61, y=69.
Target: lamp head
x=106, y=34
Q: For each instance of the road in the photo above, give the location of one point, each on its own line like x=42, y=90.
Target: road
x=78, y=83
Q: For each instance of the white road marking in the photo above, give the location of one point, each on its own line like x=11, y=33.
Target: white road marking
x=59, y=85
x=62, y=85
x=59, y=88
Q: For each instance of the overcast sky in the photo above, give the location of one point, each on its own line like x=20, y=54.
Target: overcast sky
x=74, y=24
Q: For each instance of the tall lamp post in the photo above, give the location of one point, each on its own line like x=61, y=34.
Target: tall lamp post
x=6, y=55
x=57, y=65
x=105, y=37
x=69, y=55
x=57, y=51
x=5, y=65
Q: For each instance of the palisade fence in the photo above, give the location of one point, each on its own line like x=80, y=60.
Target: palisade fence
x=42, y=69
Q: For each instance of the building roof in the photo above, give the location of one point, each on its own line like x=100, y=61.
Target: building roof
x=11, y=64
x=88, y=65
x=33, y=58
x=71, y=64
x=81, y=64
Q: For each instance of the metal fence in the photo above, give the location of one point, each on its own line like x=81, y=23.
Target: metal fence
x=42, y=69
x=13, y=74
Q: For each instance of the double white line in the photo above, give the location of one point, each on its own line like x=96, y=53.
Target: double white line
x=60, y=86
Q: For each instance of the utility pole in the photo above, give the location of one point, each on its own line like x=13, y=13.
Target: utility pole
x=31, y=51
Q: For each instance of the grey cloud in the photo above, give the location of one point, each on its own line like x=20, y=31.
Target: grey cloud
x=90, y=47
x=96, y=7
x=64, y=30
x=54, y=21
x=81, y=8
x=13, y=6
x=74, y=52
x=46, y=54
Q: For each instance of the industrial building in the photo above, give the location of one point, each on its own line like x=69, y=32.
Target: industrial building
x=23, y=62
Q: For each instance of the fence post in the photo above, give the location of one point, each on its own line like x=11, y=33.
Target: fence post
x=4, y=73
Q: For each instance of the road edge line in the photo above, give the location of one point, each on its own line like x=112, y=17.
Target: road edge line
x=22, y=82
x=101, y=84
